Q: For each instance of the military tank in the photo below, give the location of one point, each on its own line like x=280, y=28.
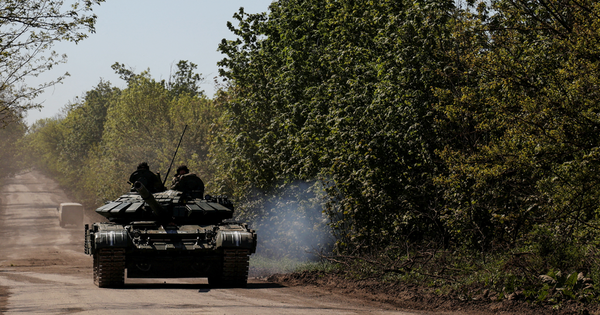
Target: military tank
x=169, y=234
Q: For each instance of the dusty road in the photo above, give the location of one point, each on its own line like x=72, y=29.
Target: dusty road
x=43, y=270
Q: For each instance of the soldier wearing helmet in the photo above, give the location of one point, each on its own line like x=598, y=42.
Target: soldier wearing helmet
x=188, y=182
x=150, y=180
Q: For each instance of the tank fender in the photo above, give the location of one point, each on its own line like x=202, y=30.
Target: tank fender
x=235, y=239
x=111, y=238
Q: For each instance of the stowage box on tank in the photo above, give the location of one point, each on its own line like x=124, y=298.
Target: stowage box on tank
x=169, y=235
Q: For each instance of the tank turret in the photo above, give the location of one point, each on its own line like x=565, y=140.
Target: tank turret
x=157, y=209
x=171, y=205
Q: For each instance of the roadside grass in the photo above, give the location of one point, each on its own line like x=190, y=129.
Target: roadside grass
x=262, y=266
x=513, y=275
x=519, y=274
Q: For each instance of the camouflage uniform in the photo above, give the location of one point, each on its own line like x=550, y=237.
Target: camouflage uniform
x=150, y=180
x=189, y=183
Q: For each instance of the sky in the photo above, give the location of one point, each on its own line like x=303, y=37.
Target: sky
x=142, y=34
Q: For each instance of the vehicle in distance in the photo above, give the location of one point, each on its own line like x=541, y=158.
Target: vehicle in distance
x=70, y=213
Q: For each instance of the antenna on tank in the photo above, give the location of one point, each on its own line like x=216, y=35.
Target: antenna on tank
x=173, y=159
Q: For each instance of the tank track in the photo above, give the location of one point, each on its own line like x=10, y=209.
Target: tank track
x=235, y=269
x=109, y=267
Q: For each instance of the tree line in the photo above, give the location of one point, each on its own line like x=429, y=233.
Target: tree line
x=425, y=122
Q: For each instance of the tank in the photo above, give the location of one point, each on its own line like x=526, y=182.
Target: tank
x=169, y=234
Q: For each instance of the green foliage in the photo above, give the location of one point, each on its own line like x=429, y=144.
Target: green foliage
x=470, y=129
x=526, y=122
x=43, y=144
x=62, y=146
x=10, y=139
x=28, y=29
x=339, y=92
x=264, y=265
x=100, y=141
x=185, y=80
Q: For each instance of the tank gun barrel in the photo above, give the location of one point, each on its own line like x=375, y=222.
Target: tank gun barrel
x=157, y=209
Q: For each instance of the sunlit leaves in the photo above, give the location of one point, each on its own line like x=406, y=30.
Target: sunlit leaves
x=531, y=114
x=340, y=92
x=10, y=143
x=28, y=29
x=102, y=138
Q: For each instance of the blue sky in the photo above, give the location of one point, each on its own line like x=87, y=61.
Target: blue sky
x=142, y=34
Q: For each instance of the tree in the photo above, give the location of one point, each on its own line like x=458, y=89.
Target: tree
x=43, y=143
x=184, y=80
x=28, y=29
x=83, y=130
x=527, y=118
x=341, y=92
x=10, y=140
x=143, y=123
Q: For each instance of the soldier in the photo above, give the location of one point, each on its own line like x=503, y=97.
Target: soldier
x=150, y=180
x=188, y=182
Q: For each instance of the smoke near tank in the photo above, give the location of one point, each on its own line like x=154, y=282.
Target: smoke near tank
x=290, y=222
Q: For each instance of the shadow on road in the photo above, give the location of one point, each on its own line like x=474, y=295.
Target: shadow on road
x=162, y=286
x=201, y=287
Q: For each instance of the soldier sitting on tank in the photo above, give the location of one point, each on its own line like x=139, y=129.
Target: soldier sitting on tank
x=188, y=182
x=150, y=180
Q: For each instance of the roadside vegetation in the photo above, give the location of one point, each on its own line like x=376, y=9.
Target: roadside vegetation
x=448, y=144
x=28, y=31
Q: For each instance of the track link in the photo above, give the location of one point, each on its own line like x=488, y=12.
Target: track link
x=235, y=269
x=109, y=267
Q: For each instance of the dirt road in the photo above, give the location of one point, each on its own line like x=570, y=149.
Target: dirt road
x=43, y=270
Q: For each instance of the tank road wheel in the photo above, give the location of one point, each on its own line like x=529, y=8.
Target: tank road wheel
x=109, y=267
x=235, y=270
